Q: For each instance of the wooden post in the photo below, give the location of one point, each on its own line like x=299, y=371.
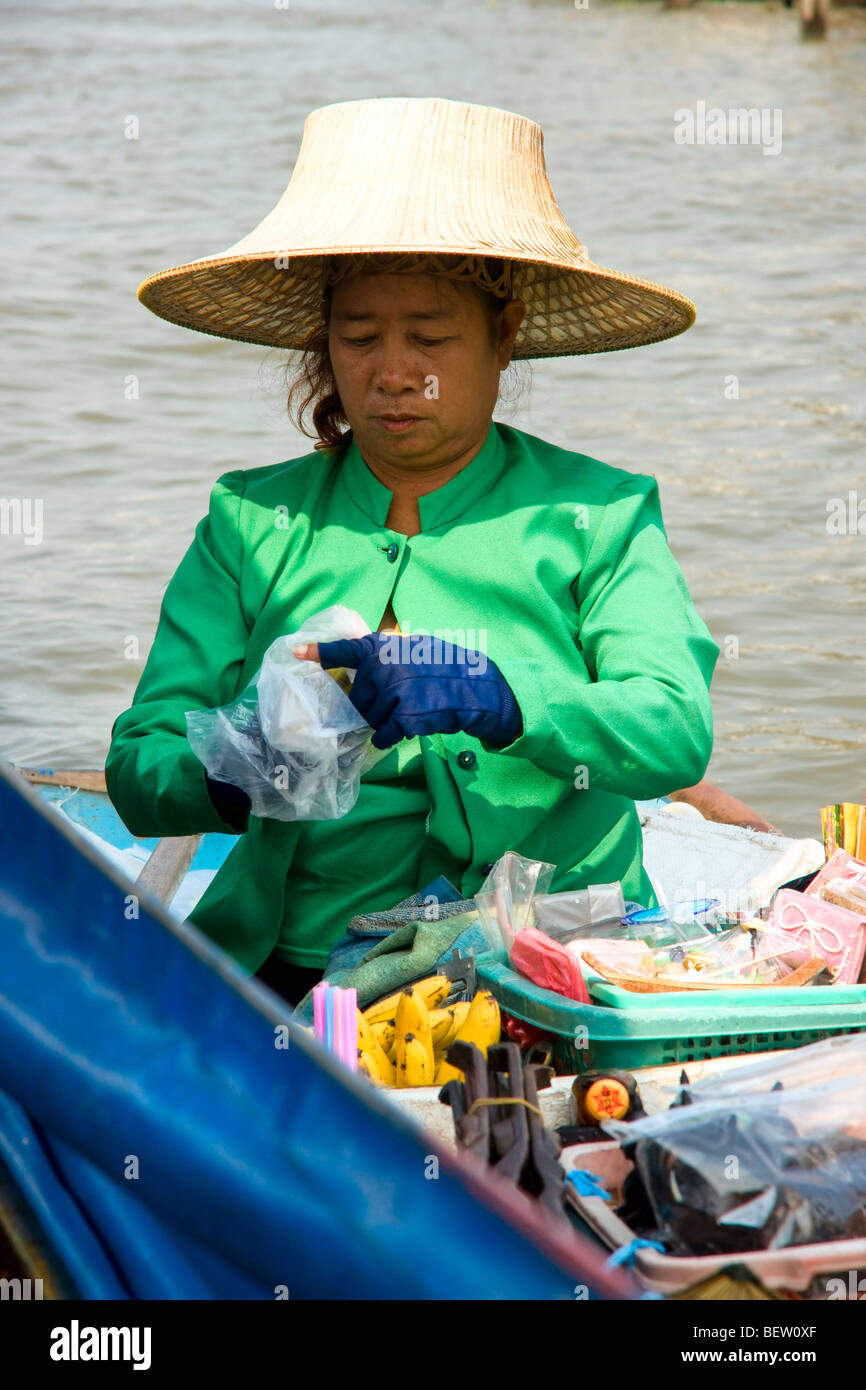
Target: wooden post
x=165, y=869
x=814, y=18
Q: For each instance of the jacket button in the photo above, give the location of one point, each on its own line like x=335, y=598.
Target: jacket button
x=392, y=551
x=466, y=759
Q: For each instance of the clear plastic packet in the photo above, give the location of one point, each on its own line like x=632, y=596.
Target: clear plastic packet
x=845, y=892
x=754, y=955
x=841, y=864
x=598, y=912
x=617, y=953
x=623, y=943
x=564, y=916
x=670, y=926
x=293, y=740
x=760, y=1172
x=505, y=898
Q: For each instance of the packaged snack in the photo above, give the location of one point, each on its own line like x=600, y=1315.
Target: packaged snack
x=840, y=865
x=753, y=954
x=824, y=929
x=661, y=926
x=622, y=953
x=844, y=827
x=844, y=892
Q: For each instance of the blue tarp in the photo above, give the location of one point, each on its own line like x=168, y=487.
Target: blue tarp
x=170, y=1145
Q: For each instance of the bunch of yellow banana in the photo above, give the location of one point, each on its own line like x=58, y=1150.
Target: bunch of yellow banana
x=402, y=1040
x=480, y=1026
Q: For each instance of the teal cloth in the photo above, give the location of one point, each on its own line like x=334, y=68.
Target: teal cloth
x=407, y=954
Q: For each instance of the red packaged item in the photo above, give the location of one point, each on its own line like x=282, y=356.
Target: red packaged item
x=546, y=963
x=524, y=1034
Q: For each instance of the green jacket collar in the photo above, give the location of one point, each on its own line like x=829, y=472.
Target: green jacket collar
x=437, y=508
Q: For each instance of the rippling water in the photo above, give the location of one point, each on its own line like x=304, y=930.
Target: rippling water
x=770, y=249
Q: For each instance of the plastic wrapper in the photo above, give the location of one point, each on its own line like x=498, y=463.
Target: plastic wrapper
x=657, y=928
x=564, y=916
x=505, y=898
x=757, y=956
x=764, y=1172
x=617, y=936
x=844, y=827
x=844, y=893
x=832, y=1059
x=622, y=945
x=824, y=928
x=620, y=953
x=685, y=921
x=841, y=864
x=293, y=740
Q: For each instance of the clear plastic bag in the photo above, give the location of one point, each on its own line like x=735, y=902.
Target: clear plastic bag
x=671, y=926
x=766, y=1171
x=293, y=741
x=832, y=1059
x=584, y=911
x=504, y=900
x=757, y=956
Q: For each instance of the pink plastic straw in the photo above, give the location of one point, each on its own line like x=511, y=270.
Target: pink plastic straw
x=340, y=1025
x=335, y=1021
x=351, y=1034
x=319, y=992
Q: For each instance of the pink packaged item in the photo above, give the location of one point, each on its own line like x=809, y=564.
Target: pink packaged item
x=546, y=963
x=833, y=933
x=841, y=864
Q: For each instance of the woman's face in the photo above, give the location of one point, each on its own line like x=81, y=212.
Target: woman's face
x=416, y=367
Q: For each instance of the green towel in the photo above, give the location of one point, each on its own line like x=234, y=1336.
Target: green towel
x=409, y=953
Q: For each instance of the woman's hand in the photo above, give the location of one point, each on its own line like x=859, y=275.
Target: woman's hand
x=418, y=684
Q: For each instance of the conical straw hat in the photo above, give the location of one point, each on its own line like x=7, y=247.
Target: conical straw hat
x=416, y=175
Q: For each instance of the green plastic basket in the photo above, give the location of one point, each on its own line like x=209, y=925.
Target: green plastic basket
x=801, y=997
x=590, y=1035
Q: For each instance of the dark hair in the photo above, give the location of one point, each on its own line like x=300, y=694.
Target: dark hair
x=313, y=384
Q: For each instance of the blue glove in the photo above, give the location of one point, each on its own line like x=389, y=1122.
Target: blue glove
x=416, y=684
x=231, y=803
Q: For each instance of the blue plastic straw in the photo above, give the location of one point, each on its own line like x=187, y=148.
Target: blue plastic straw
x=339, y=1048
x=335, y=1021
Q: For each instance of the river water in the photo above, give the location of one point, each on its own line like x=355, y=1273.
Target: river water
x=116, y=423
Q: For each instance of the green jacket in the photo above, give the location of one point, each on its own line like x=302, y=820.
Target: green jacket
x=553, y=563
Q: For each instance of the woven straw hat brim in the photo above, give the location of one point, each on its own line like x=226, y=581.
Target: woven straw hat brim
x=569, y=310
x=397, y=176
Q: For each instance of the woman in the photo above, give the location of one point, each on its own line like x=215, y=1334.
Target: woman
x=416, y=251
